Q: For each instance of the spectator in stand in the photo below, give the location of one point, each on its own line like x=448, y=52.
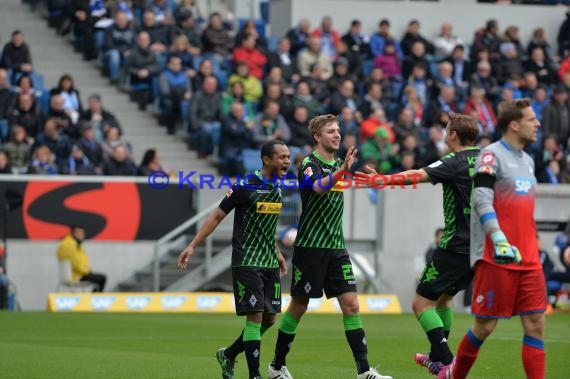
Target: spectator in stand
x=118, y=42
x=98, y=117
x=160, y=34
x=253, y=91
x=389, y=62
x=25, y=113
x=318, y=85
x=372, y=100
x=377, y=76
x=340, y=74
x=462, y=70
x=77, y=163
x=204, y=70
x=564, y=66
x=347, y=122
x=381, y=154
x=162, y=12
x=91, y=147
x=215, y=39
x=71, y=248
x=235, y=93
x=416, y=57
x=70, y=95
x=411, y=101
x=299, y=36
x=405, y=125
x=274, y=93
x=410, y=145
x=247, y=53
x=530, y=84
x=64, y=122
x=5, y=166
x=412, y=36
x=120, y=164
x=181, y=48
x=435, y=148
x=270, y=125
x=445, y=42
x=563, y=37
x=113, y=139
x=275, y=76
x=356, y=41
x=142, y=66
x=444, y=78
x=441, y=107
x=379, y=40
x=540, y=39
x=205, y=116
x=175, y=93
x=487, y=38
x=299, y=125
x=433, y=246
x=328, y=37
x=284, y=58
x=511, y=35
x=18, y=148
x=315, y=55
x=237, y=135
x=556, y=116
x=25, y=85
x=370, y=125
x=185, y=26
x=87, y=36
x=482, y=78
x=481, y=109
x=353, y=60
x=53, y=137
x=304, y=98
x=250, y=27
x=565, y=172
x=422, y=84
x=548, y=160
x=188, y=5
x=16, y=55
x=540, y=101
x=42, y=162
x=538, y=64
x=509, y=64
x=408, y=161
x=345, y=97
x=6, y=103
x=150, y=163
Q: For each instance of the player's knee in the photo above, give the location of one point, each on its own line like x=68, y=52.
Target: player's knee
x=420, y=304
x=484, y=328
x=350, y=307
x=298, y=307
x=268, y=320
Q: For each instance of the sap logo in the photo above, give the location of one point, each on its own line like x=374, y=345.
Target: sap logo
x=66, y=303
x=172, y=302
x=376, y=304
x=102, y=303
x=522, y=186
x=207, y=302
x=137, y=302
x=315, y=304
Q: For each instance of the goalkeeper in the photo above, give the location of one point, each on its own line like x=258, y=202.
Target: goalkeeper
x=508, y=274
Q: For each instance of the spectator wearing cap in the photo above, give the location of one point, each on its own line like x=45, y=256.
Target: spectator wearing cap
x=251, y=56
x=509, y=64
x=329, y=37
x=445, y=42
x=77, y=163
x=380, y=153
x=380, y=38
x=556, y=116
x=315, y=55
x=118, y=41
x=16, y=55
x=412, y=36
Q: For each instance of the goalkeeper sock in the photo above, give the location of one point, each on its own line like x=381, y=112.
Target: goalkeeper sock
x=357, y=341
x=446, y=316
x=533, y=357
x=252, y=346
x=236, y=348
x=466, y=355
x=285, y=337
x=433, y=326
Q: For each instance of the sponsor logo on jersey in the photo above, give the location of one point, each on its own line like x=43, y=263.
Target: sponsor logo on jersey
x=268, y=208
x=522, y=186
x=341, y=185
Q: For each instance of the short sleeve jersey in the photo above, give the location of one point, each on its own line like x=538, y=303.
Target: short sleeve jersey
x=320, y=224
x=455, y=172
x=513, y=201
x=257, y=204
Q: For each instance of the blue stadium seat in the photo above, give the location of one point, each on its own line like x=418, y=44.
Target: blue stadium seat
x=251, y=160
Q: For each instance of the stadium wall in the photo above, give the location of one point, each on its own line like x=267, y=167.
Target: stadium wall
x=465, y=15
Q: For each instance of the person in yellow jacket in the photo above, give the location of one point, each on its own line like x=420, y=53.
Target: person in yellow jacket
x=70, y=248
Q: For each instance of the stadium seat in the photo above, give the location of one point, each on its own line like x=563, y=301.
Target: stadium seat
x=66, y=283
x=251, y=160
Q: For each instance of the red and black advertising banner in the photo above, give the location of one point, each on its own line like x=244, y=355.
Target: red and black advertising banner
x=108, y=209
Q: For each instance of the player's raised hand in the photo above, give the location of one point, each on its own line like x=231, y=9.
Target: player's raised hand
x=185, y=257
x=350, y=158
x=504, y=252
x=364, y=178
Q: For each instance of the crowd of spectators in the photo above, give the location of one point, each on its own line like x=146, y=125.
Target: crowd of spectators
x=230, y=90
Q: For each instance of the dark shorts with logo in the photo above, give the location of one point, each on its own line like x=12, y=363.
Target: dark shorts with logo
x=447, y=272
x=256, y=289
x=316, y=270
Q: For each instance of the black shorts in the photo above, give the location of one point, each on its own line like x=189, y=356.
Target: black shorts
x=256, y=289
x=447, y=272
x=317, y=269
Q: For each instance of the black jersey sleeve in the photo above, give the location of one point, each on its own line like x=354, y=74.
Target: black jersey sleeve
x=234, y=197
x=443, y=170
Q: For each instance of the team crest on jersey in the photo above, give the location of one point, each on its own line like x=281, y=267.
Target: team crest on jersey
x=308, y=171
x=485, y=170
x=487, y=158
x=229, y=193
x=268, y=208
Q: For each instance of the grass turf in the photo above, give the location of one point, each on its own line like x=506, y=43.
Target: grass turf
x=104, y=345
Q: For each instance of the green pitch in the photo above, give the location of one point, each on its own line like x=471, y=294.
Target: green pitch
x=65, y=345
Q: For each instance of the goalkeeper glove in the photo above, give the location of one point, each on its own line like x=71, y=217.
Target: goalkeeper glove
x=503, y=251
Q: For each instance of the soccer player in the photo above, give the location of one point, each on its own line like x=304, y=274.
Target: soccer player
x=449, y=270
x=508, y=277
x=256, y=261
x=320, y=259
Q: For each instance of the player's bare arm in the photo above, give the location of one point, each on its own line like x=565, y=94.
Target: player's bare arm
x=369, y=177
x=282, y=260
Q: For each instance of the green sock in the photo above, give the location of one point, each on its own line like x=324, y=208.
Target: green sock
x=252, y=346
x=288, y=324
x=446, y=316
x=429, y=320
x=252, y=331
x=352, y=322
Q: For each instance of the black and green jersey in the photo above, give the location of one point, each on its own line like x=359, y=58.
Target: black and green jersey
x=455, y=172
x=258, y=204
x=320, y=225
